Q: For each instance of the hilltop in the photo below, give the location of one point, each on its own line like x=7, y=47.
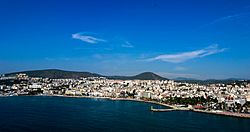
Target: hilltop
x=56, y=73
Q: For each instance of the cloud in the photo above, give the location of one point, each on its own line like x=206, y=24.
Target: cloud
x=98, y=56
x=180, y=68
x=127, y=45
x=185, y=56
x=59, y=58
x=87, y=38
x=225, y=18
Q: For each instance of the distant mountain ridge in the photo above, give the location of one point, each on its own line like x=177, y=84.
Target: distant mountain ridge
x=183, y=79
x=214, y=81
x=142, y=76
x=56, y=73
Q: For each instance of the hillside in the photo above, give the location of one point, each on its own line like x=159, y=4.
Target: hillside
x=55, y=73
x=148, y=76
x=142, y=76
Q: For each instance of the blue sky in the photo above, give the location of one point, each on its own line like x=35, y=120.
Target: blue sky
x=174, y=38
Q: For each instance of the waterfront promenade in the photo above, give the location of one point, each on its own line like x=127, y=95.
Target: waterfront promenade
x=225, y=113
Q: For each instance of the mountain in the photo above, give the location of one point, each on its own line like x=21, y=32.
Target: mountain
x=236, y=79
x=148, y=76
x=183, y=78
x=214, y=81
x=55, y=73
x=142, y=76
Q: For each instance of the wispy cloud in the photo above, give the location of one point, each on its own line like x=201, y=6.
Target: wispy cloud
x=226, y=18
x=180, y=68
x=127, y=45
x=98, y=56
x=59, y=58
x=185, y=56
x=87, y=38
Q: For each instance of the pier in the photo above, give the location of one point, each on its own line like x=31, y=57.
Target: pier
x=167, y=110
x=161, y=110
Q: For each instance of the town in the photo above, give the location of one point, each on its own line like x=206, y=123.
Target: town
x=217, y=97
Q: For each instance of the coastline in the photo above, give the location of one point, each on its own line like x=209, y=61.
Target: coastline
x=115, y=99
x=225, y=113
x=222, y=113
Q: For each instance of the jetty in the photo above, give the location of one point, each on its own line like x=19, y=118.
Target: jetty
x=168, y=109
x=160, y=110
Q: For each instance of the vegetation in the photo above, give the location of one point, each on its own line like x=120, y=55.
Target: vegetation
x=191, y=101
x=55, y=73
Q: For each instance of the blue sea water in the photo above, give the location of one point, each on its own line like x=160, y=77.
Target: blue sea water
x=60, y=114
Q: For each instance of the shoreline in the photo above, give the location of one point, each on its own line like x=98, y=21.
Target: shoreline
x=223, y=113
x=115, y=99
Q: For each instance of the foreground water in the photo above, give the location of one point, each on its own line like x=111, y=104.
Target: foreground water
x=60, y=114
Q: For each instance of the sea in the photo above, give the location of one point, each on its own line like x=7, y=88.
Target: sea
x=64, y=114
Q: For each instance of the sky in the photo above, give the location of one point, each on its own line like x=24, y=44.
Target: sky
x=208, y=39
